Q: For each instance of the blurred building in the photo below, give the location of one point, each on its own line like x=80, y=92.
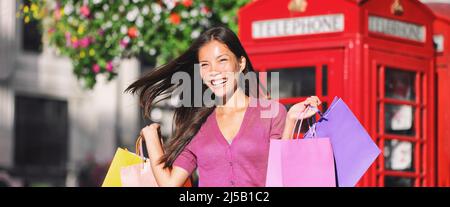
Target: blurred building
x=52, y=132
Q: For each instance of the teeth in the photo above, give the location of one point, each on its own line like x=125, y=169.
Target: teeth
x=218, y=82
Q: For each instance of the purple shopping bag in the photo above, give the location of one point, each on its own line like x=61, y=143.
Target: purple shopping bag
x=353, y=149
x=301, y=163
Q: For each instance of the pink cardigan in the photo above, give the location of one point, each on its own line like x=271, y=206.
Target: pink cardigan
x=244, y=161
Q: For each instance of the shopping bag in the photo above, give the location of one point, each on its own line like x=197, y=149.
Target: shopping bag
x=273, y=176
x=308, y=163
x=138, y=175
x=300, y=163
x=132, y=170
x=121, y=158
x=353, y=149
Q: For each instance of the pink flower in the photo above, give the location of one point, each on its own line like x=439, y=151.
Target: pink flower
x=68, y=39
x=101, y=32
x=109, y=66
x=91, y=39
x=96, y=68
x=75, y=43
x=84, y=10
x=123, y=43
x=57, y=14
x=205, y=10
x=84, y=42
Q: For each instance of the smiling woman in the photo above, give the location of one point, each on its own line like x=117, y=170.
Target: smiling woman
x=228, y=142
x=219, y=68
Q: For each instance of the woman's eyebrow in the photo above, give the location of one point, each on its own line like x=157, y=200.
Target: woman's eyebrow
x=221, y=56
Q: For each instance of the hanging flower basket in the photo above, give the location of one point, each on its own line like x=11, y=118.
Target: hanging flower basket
x=97, y=34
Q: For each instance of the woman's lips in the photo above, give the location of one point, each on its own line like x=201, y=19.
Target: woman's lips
x=218, y=82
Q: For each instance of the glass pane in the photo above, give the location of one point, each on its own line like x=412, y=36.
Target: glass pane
x=31, y=35
x=400, y=84
x=398, y=155
x=324, y=80
x=295, y=82
x=399, y=119
x=324, y=107
x=391, y=181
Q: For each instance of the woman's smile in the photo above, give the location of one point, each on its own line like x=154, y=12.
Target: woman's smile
x=216, y=83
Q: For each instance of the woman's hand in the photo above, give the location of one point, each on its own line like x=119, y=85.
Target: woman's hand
x=151, y=131
x=296, y=110
x=165, y=177
x=295, y=113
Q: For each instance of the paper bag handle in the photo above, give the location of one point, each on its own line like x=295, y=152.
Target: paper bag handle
x=301, y=122
x=139, y=149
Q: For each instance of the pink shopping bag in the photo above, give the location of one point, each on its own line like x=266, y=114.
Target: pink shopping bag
x=301, y=163
x=141, y=175
x=273, y=178
x=307, y=163
x=138, y=175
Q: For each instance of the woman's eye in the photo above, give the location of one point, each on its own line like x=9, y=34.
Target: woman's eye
x=203, y=65
x=223, y=60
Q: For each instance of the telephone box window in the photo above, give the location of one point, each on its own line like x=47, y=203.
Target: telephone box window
x=324, y=106
x=295, y=82
x=400, y=84
x=399, y=119
x=324, y=80
x=398, y=155
x=392, y=181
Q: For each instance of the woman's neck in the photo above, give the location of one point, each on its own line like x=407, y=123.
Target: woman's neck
x=237, y=101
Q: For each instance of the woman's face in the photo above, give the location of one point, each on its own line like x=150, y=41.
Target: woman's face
x=219, y=68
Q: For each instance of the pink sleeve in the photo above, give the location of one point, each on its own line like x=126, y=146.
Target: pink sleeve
x=186, y=160
x=278, y=122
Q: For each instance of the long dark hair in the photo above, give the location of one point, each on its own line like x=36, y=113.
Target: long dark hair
x=156, y=86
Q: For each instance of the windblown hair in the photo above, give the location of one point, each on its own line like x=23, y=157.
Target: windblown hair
x=156, y=86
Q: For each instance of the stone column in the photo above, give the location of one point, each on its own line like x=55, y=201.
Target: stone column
x=8, y=38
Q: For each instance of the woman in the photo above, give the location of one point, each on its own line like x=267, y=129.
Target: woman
x=228, y=143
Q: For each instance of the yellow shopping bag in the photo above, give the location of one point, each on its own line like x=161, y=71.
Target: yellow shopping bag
x=122, y=158
x=128, y=165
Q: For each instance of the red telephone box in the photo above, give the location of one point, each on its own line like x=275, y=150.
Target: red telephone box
x=376, y=54
x=442, y=40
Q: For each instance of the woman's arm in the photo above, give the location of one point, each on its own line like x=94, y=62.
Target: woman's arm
x=294, y=113
x=164, y=177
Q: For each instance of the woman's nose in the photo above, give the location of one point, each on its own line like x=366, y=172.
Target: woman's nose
x=213, y=70
x=213, y=73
